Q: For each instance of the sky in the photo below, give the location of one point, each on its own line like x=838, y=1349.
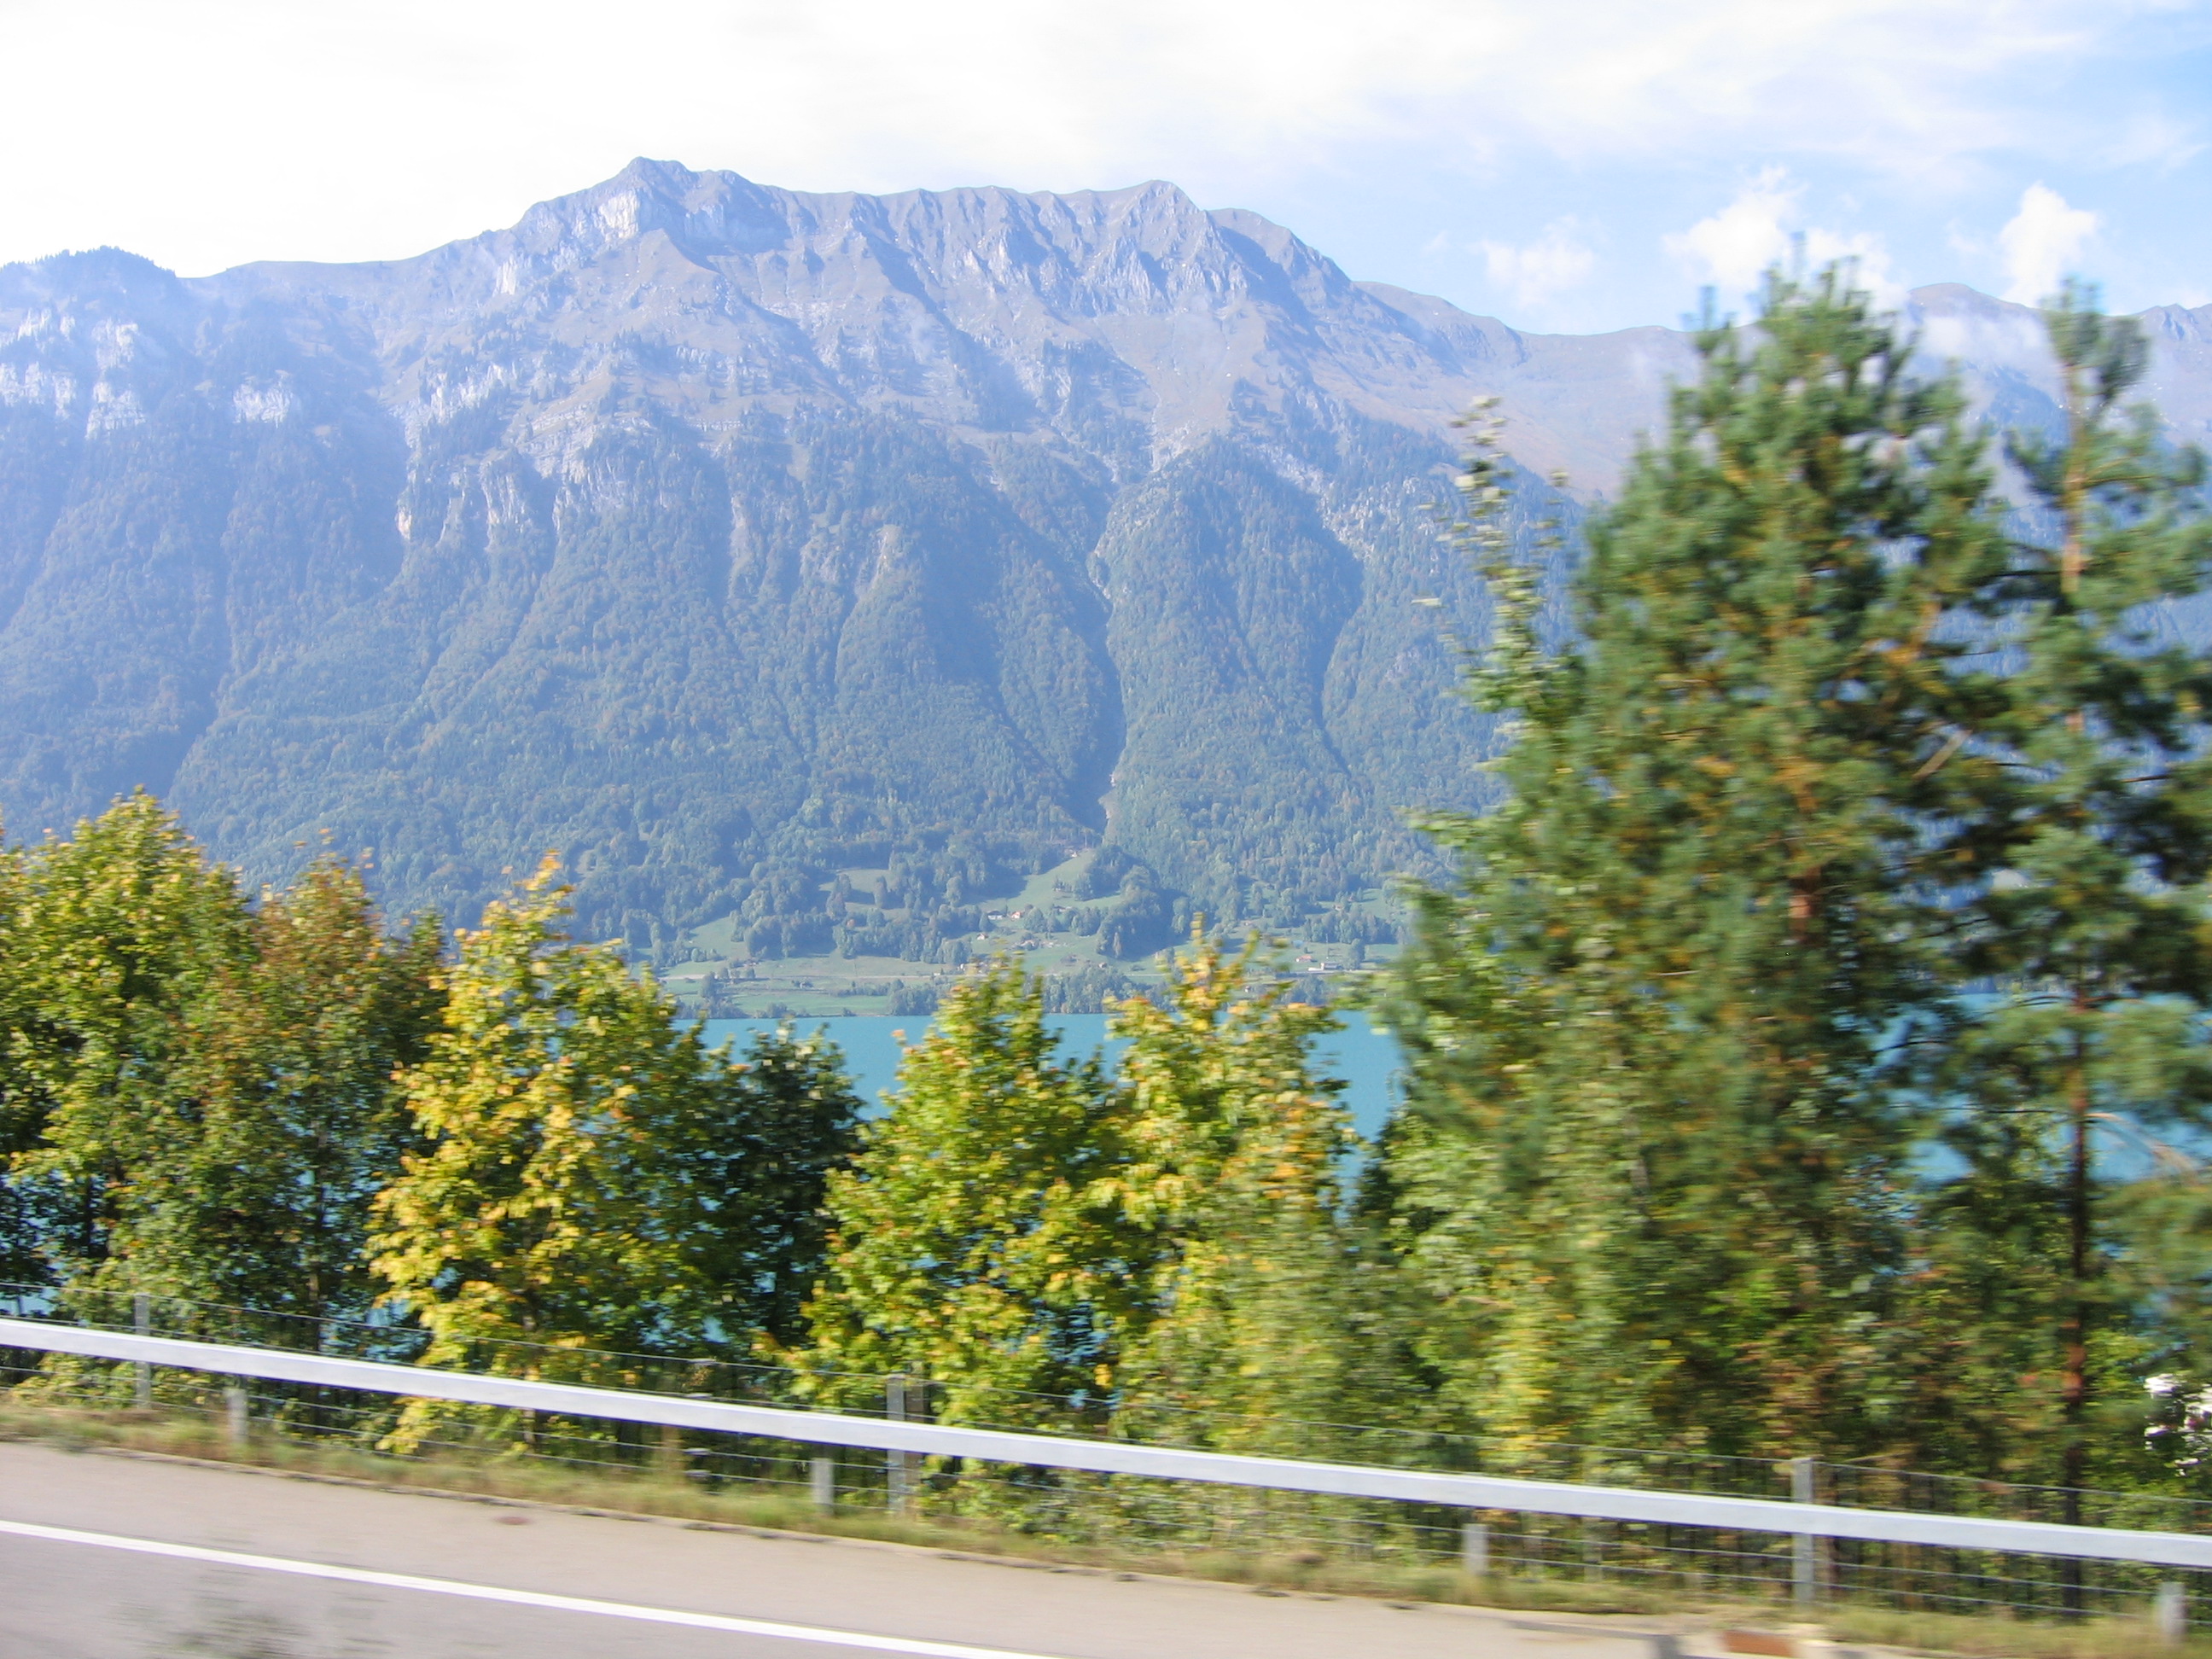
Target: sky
x=1567, y=165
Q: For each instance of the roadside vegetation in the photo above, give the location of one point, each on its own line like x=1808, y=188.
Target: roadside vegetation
x=1809, y=1059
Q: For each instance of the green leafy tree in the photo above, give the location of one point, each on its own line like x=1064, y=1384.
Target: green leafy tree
x=1265, y=1324
x=277, y=1118
x=21, y=1104
x=1650, y=1179
x=585, y=1179
x=1165, y=1253
x=979, y=1238
x=785, y=1117
x=114, y=934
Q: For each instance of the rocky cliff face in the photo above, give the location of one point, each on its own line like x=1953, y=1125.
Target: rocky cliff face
x=722, y=536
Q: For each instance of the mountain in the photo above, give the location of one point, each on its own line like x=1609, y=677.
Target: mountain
x=726, y=537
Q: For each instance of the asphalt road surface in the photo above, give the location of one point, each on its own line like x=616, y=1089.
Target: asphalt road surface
x=105, y=1556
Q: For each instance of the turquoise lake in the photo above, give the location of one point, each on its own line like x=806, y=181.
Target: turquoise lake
x=1362, y=1055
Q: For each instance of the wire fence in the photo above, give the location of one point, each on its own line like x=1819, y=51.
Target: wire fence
x=1118, y=1511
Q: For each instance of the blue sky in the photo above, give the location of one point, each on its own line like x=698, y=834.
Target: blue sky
x=1578, y=166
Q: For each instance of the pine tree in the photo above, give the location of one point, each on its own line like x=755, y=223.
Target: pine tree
x=2095, y=926
x=1650, y=1179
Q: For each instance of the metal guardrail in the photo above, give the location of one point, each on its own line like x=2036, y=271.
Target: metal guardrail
x=1472, y=1492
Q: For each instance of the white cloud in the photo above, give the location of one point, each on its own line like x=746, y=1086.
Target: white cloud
x=224, y=130
x=1763, y=227
x=1734, y=247
x=2041, y=243
x=1536, y=272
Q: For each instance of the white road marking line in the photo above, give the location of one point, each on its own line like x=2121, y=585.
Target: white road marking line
x=519, y=1598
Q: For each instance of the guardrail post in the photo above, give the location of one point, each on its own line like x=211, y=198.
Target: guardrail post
x=235, y=1407
x=1804, y=1549
x=897, y=1466
x=1475, y=1550
x=142, y=1374
x=2170, y=1614
x=822, y=1480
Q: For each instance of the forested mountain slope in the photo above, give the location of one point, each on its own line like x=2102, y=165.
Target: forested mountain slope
x=723, y=536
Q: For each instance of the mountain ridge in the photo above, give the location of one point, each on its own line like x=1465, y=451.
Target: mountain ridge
x=726, y=536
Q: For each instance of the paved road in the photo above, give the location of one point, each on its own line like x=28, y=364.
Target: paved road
x=112, y=1557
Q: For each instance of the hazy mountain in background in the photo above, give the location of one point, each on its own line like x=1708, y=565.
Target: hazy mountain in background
x=725, y=536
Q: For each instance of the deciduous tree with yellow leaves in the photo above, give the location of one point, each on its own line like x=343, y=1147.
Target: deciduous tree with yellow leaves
x=576, y=1188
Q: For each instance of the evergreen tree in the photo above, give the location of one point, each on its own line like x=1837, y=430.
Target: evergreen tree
x=1650, y=1179
x=2101, y=819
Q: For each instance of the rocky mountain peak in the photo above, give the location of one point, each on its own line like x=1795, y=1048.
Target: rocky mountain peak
x=728, y=536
